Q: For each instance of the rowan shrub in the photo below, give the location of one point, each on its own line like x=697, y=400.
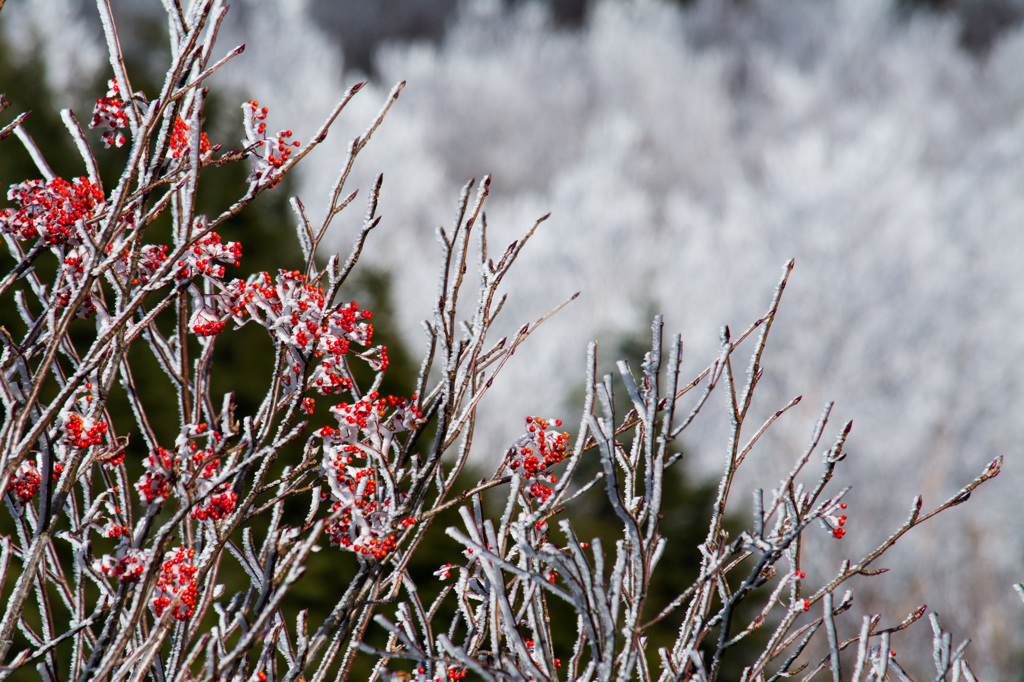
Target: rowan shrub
x=167, y=541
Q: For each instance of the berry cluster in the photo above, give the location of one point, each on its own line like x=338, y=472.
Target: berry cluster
x=536, y=452
x=219, y=500
x=834, y=520
x=177, y=581
x=127, y=565
x=62, y=299
x=109, y=113
x=155, y=484
x=268, y=154
x=82, y=432
x=51, y=210
x=189, y=471
x=373, y=418
x=293, y=309
x=25, y=482
x=180, y=140
x=298, y=315
x=361, y=528
x=205, y=322
x=151, y=258
x=56, y=212
x=199, y=258
x=113, y=528
x=219, y=505
x=74, y=270
x=367, y=521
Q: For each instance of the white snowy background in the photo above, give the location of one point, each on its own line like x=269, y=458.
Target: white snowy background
x=685, y=155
